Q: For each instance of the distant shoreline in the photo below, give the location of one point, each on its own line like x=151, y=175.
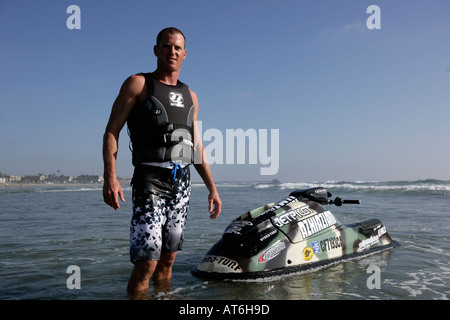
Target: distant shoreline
x=30, y=185
x=43, y=185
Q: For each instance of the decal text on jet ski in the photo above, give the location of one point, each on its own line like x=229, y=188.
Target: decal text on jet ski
x=292, y=215
x=282, y=203
x=236, y=226
x=224, y=261
x=316, y=223
x=368, y=242
x=331, y=243
x=272, y=252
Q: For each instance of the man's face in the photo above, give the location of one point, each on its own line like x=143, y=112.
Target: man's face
x=170, y=52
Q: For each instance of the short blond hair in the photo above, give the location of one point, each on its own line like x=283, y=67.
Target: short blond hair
x=170, y=30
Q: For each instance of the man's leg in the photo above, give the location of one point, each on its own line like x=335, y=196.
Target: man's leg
x=164, y=268
x=143, y=271
x=145, y=239
x=140, y=276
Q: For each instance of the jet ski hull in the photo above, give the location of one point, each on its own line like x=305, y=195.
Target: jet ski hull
x=294, y=235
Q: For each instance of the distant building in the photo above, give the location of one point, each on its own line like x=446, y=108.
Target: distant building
x=51, y=179
x=15, y=178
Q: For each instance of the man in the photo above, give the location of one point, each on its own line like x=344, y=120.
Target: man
x=161, y=114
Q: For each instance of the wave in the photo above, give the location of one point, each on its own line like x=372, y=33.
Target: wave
x=404, y=186
x=430, y=186
x=419, y=186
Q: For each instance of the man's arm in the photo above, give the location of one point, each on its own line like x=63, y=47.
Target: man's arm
x=203, y=168
x=124, y=103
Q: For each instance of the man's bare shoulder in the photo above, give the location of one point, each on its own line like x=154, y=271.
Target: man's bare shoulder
x=134, y=83
x=193, y=95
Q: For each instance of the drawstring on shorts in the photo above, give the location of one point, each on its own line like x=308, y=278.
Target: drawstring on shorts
x=176, y=167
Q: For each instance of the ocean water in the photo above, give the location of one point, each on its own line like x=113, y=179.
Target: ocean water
x=46, y=229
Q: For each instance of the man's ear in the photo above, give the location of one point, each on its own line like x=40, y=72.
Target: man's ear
x=155, y=50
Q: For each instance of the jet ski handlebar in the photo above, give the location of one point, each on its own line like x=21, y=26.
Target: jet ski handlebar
x=339, y=202
x=320, y=195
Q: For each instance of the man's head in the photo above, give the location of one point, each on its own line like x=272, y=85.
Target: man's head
x=170, y=49
x=170, y=30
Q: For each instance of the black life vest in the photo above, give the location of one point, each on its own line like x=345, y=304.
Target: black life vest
x=160, y=128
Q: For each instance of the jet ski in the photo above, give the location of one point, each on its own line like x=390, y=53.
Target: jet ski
x=292, y=235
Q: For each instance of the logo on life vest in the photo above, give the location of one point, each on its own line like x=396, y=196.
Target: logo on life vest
x=176, y=99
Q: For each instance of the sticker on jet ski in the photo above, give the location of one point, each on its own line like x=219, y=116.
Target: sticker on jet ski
x=292, y=215
x=315, y=224
x=272, y=252
x=236, y=226
x=221, y=264
x=330, y=244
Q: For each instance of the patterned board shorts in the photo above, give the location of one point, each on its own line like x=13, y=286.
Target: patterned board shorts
x=160, y=206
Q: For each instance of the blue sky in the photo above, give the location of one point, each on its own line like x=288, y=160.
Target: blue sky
x=349, y=103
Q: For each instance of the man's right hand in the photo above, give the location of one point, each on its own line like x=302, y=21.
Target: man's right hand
x=112, y=188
